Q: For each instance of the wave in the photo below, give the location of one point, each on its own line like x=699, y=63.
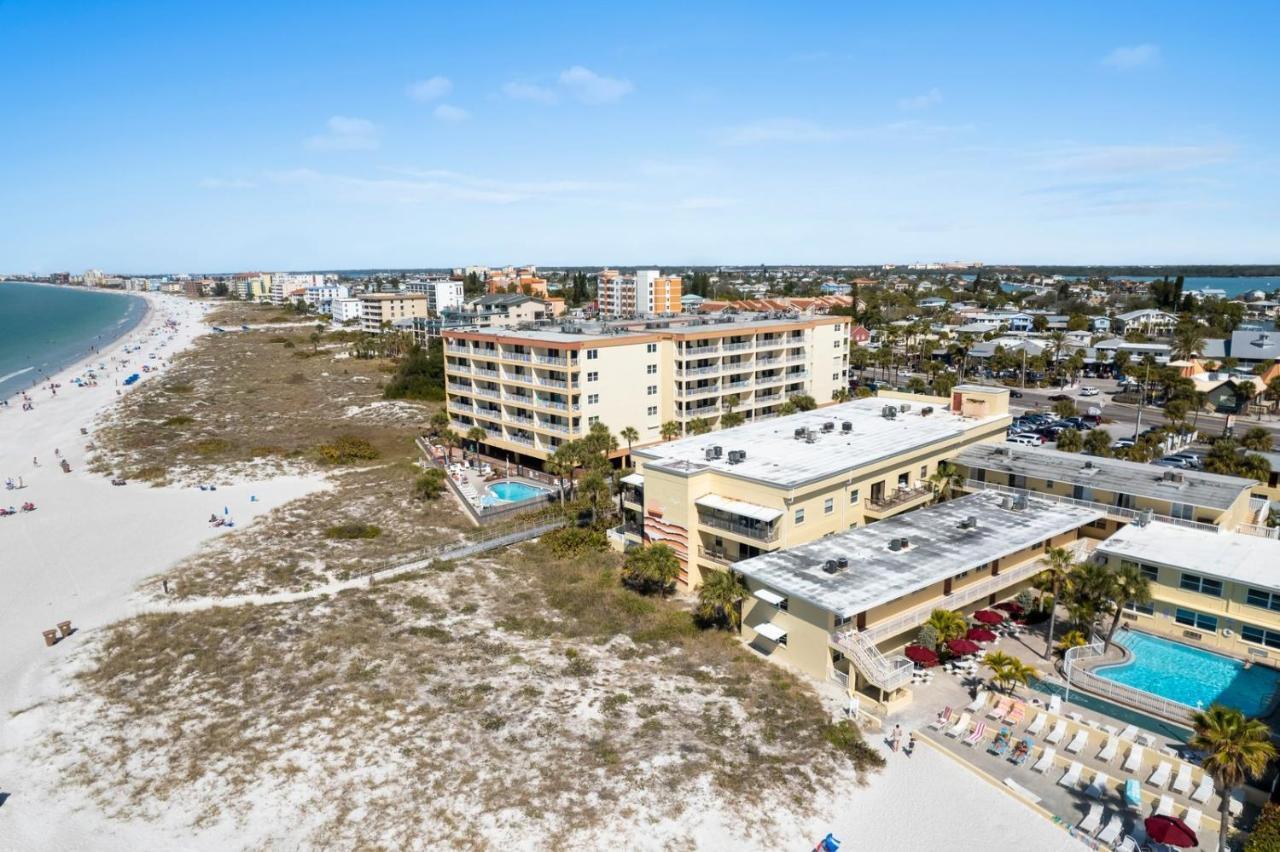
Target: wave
x=4, y=379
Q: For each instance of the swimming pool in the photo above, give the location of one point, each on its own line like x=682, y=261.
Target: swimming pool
x=510, y=491
x=1192, y=676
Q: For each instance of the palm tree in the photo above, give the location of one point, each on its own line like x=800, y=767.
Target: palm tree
x=840, y=395
x=558, y=466
x=1256, y=439
x=945, y=480
x=475, y=435
x=730, y=419
x=1188, y=341
x=1070, y=441
x=595, y=486
x=1254, y=466
x=1235, y=750
x=670, y=430
x=1009, y=671
x=450, y=439
x=720, y=597
x=630, y=435
x=948, y=624
x=1090, y=590
x=439, y=422
x=1128, y=586
x=699, y=426
x=1055, y=576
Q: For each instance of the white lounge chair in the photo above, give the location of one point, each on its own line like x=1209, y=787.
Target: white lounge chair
x=1192, y=818
x=1059, y=730
x=1078, y=742
x=1055, y=704
x=1000, y=709
x=1098, y=787
x=941, y=720
x=1090, y=823
x=961, y=725
x=1204, y=790
x=1108, y=752
x=1165, y=807
x=1037, y=726
x=1161, y=776
x=1128, y=845
x=1129, y=732
x=979, y=701
x=1071, y=777
x=976, y=735
x=1045, y=761
x=1133, y=763
x=1109, y=834
x=1182, y=783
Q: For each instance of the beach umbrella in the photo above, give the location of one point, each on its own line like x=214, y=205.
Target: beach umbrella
x=922, y=655
x=1011, y=607
x=1170, y=830
x=963, y=647
x=980, y=634
x=987, y=616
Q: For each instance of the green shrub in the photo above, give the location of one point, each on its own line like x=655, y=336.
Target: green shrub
x=1266, y=831
x=572, y=541
x=353, y=530
x=845, y=737
x=346, y=449
x=178, y=420
x=179, y=387
x=429, y=485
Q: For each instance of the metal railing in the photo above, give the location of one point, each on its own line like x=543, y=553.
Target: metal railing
x=698, y=351
x=717, y=556
x=1078, y=675
x=885, y=672
x=551, y=359
x=1259, y=530
x=897, y=498
x=764, y=533
x=1117, y=511
x=702, y=391
x=698, y=371
x=552, y=383
x=516, y=356
x=737, y=347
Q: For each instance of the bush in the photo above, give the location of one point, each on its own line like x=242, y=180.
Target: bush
x=845, y=737
x=353, y=530
x=178, y=420
x=346, y=449
x=1266, y=831
x=429, y=485
x=420, y=375
x=572, y=541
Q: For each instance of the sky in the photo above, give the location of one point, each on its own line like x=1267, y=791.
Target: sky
x=172, y=137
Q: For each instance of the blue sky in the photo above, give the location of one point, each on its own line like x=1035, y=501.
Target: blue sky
x=144, y=137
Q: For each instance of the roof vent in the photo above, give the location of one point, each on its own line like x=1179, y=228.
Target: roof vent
x=969, y=523
x=904, y=407
x=1088, y=465
x=801, y=433
x=842, y=561
x=888, y=412
x=846, y=426
x=926, y=411
x=831, y=566
x=1006, y=502
x=1020, y=502
x=829, y=426
x=1173, y=476
x=894, y=546
x=1144, y=517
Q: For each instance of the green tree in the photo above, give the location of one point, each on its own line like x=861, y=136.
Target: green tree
x=699, y=426
x=1188, y=340
x=429, y=485
x=1235, y=749
x=786, y=408
x=730, y=419
x=916, y=384
x=1257, y=439
x=670, y=430
x=840, y=395
x=1070, y=441
x=720, y=599
x=595, y=487
x=1064, y=408
x=948, y=624
x=475, y=435
x=651, y=568
x=1058, y=564
x=946, y=479
x=803, y=402
x=630, y=435
x=1128, y=586
x=450, y=439
x=439, y=422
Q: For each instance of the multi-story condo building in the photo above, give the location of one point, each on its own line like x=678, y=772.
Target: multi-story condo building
x=645, y=293
x=379, y=308
x=533, y=389
x=346, y=310
x=442, y=294
x=283, y=284
x=322, y=296
x=721, y=498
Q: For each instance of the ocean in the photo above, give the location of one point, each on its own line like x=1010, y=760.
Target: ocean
x=45, y=329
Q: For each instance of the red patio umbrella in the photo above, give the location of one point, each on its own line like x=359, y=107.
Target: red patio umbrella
x=980, y=634
x=922, y=655
x=1170, y=830
x=987, y=616
x=1011, y=607
x=963, y=647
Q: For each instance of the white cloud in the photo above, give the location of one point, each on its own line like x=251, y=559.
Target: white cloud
x=430, y=89
x=518, y=91
x=346, y=134
x=592, y=88
x=226, y=183
x=450, y=113
x=1125, y=58
x=931, y=98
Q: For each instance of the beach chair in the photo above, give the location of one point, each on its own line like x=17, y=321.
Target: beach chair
x=1078, y=742
x=1129, y=732
x=1055, y=704
x=1038, y=724
x=975, y=736
x=1020, y=757
x=1098, y=786
x=1108, y=752
x=979, y=701
x=1128, y=845
x=1133, y=763
x=943, y=718
x=1059, y=730
x=1071, y=777
x=1000, y=744
x=1000, y=709
x=1192, y=818
x=961, y=725
x=1165, y=808
x=1109, y=834
x=1092, y=820
x=1161, y=776
x=1045, y=761
x=1204, y=790
x=1016, y=715
x=1182, y=783
x=1133, y=794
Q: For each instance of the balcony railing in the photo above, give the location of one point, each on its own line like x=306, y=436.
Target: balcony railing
x=555, y=427
x=517, y=356
x=489, y=392
x=548, y=403
x=717, y=556
x=481, y=371
x=551, y=359
x=769, y=380
x=767, y=532
x=738, y=347
x=699, y=371
x=521, y=439
x=702, y=391
x=897, y=498
x=553, y=383
x=699, y=351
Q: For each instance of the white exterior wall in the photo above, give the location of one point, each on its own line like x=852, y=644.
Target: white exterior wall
x=345, y=310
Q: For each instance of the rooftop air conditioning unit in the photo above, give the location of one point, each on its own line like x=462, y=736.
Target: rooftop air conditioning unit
x=717, y=451
x=710, y=453
x=926, y=411
x=894, y=546
x=842, y=561
x=810, y=436
x=1088, y=465
x=888, y=412
x=846, y=426
x=1144, y=517
x=1172, y=476
x=904, y=407
x=1006, y=502
x=829, y=426
x=1020, y=502
x=801, y=433
x=831, y=566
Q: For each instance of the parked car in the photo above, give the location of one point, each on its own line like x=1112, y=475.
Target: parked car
x=1015, y=394
x=1026, y=439
x=1079, y=424
x=1122, y=444
x=1061, y=397
x=1089, y=391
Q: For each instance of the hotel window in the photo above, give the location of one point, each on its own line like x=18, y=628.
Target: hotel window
x=591, y=377
x=853, y=496
x=1259, y=636
x=651, y=347
x=651, y=369
x=1198, y=620
x=1145, y=609
x=593, y=419
x=842, y=620
x=651, y=390
x=593, y=354
x=924, y=471
x=1203, y=585
x=1262, y=598
x=829, y=506
x=593, y=398
x=799, y=516
x=1148, y=571
x=1017, y=480
x=653, y=411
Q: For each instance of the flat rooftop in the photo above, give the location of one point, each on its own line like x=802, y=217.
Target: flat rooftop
x=681, y=326
x=1231, y=556
x=776, y=457
x=1210, y=490
x=938, y=548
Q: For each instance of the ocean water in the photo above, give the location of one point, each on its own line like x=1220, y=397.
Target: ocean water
x=1233, y=286
x=44, y=329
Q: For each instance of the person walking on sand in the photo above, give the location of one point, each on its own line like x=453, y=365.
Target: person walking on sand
x=911, y=743
x=895, y=739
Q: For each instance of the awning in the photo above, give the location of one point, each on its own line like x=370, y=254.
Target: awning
x=737, y=507
x=633, y=479
x=771, y=631
x=769, y=597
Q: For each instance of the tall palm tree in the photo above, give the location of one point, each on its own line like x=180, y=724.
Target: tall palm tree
x=630, y=435
x=1235, y=750
x=1055, y=576
x=450, y=439
x=475, y=435
x=1188, y=341
x=945, y=480
x=670, y=430
x=595, y=487
x=699, y=426
x=439, y=422
x=1128, y=586
x=720, y=597
x=948, y=624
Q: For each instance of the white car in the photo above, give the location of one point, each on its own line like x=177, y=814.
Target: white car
x=1026, y=439
x=1089, y=391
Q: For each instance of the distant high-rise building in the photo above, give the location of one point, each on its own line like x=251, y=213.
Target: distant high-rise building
x=646, y=292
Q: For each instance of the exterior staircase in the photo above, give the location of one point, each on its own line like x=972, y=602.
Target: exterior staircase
x=888, y=673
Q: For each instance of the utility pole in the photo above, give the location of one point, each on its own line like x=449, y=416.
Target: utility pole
x=1142, y=400
x=1024, y=366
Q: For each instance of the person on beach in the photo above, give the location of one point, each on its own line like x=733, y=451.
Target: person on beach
x=895, y=739
x=911, y=743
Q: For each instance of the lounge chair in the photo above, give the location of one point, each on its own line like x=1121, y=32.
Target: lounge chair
x=1133, y=763
x=1045, y=761
x=1078, y=742
x=1182, y=783
x=1161, y=776
x=1129, y=732
x=1204, y=790
x=979, y=701
x=1133, y=794
x=1038, y=725
x=1165, y=808
x=943, y=718
x=1098, y=787
x=1128, y=845
x=1000, y=709
x=1020, y=757
x=1071, y=777
x=961, y=725
x=1109, y=750
x=1109, y=834
x=1192, y=818
x=1090, y=823
x=1055, y=704
x=1016, y=715
x=975, y=736
x=1059, y=730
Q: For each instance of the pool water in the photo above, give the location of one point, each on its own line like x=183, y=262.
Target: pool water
x=510, y=492
x=1119, y=712
x=1192, y=676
